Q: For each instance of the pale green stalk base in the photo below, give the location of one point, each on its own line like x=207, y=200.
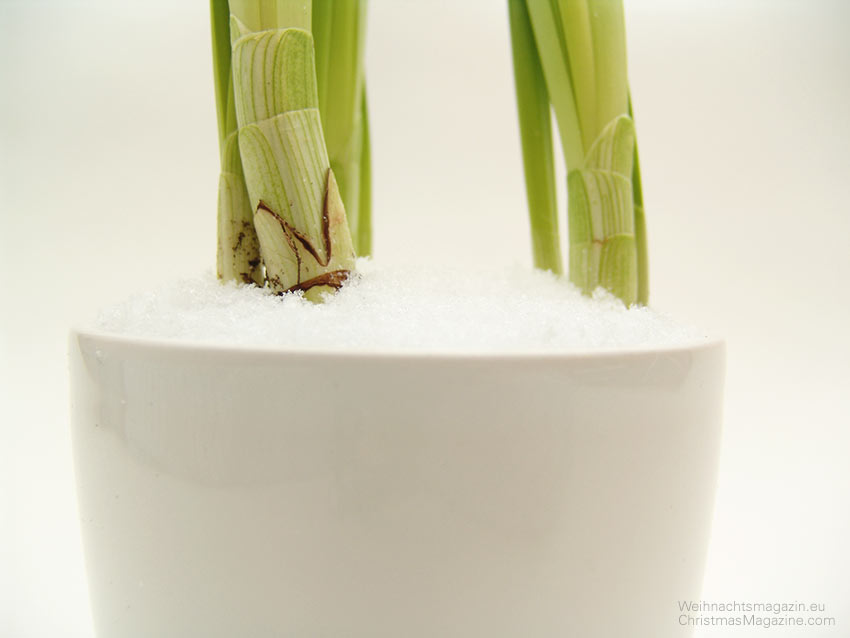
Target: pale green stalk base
x=238, y=249
x=238, y=256
x=304, y=238
x=603, y=251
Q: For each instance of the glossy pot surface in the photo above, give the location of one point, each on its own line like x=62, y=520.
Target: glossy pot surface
x=240, y=492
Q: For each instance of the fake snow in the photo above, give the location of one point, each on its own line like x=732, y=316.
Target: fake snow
x=440, y=310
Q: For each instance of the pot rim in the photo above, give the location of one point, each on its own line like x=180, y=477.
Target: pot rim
x=161, y=344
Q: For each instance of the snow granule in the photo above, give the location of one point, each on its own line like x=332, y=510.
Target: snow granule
x=381, y=309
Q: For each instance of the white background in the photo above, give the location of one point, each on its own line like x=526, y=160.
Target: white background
x=108, y=173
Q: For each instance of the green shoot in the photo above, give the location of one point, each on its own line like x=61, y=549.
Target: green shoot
x=640, y=227
x=581, y=48
x=536, y=127
x=339, y=32
x=364, y=221
x=238, y=249
x=300, y=221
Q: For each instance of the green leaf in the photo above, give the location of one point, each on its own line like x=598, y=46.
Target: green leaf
x=339, y=32
x=364, y=225
x=552, y=48
x=578, y=36
x=640, y=225
x=536, y=136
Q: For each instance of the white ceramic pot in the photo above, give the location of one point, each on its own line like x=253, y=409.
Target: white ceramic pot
x=237, y=492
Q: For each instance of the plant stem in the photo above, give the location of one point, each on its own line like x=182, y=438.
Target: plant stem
x=601, y=215
x=262, y=15
x=581, y=47
x=552, y=48
x=364, y=225
x=339, y=31
x=220, y=18
x=299, y=217
x=640, y=226
x=609, y=51
x=577, y=30
x=238, y=249
x=536, y=135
